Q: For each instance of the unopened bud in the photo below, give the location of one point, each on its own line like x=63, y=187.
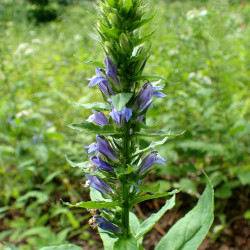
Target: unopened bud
x=124, y=43
x=110, y=50
x=140, y=63
x=114, y=20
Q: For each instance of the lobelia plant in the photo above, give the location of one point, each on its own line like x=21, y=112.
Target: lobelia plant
x=117, y=167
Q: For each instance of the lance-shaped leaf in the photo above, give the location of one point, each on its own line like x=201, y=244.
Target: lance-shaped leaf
x=93, y=204
x=148, y=78
x=62, y=247
x=120, y=100
x=188, y=232
x=95, y=63
x=144, y=38
x=85, y=167
x=87, y=126
x=126, y=8
x=97, y=106
x=157, y=134
x=152, y=145
x=111, y=3
x=137, y=24
x=150, y=197
x=149, y=223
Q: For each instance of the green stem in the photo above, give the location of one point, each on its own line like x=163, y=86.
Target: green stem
x=125, y=187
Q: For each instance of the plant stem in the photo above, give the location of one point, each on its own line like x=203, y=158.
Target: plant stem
x=125, y=187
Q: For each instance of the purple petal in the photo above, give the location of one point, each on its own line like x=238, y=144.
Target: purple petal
x=105, y=148
x=128, y=114
x=106, y=225
x=92, y=147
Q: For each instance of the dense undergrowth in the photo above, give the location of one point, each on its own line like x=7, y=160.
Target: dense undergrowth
x=201, y=47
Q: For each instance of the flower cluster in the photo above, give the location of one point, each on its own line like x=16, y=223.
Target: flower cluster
x=107, y=153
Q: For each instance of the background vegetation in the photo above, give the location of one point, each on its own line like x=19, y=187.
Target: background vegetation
x=201, y=47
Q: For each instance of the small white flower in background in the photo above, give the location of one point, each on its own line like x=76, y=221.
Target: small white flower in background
x=32, y=32
x=191, y=14
x=22, y=113
x=77, y=37
x=36, y=41
x=199, y=77
x=21, y=47
x=28, y=51
x=25, y=49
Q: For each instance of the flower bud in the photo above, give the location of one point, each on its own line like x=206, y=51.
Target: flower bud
x=139, y=64
x=124, y=43
x=114, y=20
x=109, y=48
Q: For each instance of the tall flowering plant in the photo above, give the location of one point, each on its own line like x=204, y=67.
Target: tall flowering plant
x=117, y=166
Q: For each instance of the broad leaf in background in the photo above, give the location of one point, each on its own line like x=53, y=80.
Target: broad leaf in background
x=63, y=247
x=188, y=232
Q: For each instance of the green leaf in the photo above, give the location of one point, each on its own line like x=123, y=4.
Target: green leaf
x=121, y=171
x=126, y=8
x=95, y=63
x=157, y=134
x=243, y=173
x=94, y=105
x=149, y=223
x=126, y=244
x=111, y=3
x=152, y=145
x=113, y=32
x=108, y=242
x=63, y=247
x=144, y=38
x=150, y=197
x=147, y=78
x=188, y=232
x=120, y=100
x=137, y=24
x=93, y=204
x=140, y=56
x=11, y=247
x=85, y=167
x=148, y=188
x=87, y=126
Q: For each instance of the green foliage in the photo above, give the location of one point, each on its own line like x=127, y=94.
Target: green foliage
x=205, y=59
x=189, y=232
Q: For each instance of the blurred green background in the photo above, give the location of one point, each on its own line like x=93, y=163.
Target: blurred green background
x=201, y=47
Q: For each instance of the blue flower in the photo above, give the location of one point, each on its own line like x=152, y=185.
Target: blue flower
x=98, y=117
x=101, y=164
x=157, y=93
x=102, y=83
x=11, y=122
x=98, y=184
x=145, y=95
x=150, y=160
x=35, y=138
x=104, y=147
x=121, y=116
x=92, y=148
x=111, y=71
x=98, y=221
